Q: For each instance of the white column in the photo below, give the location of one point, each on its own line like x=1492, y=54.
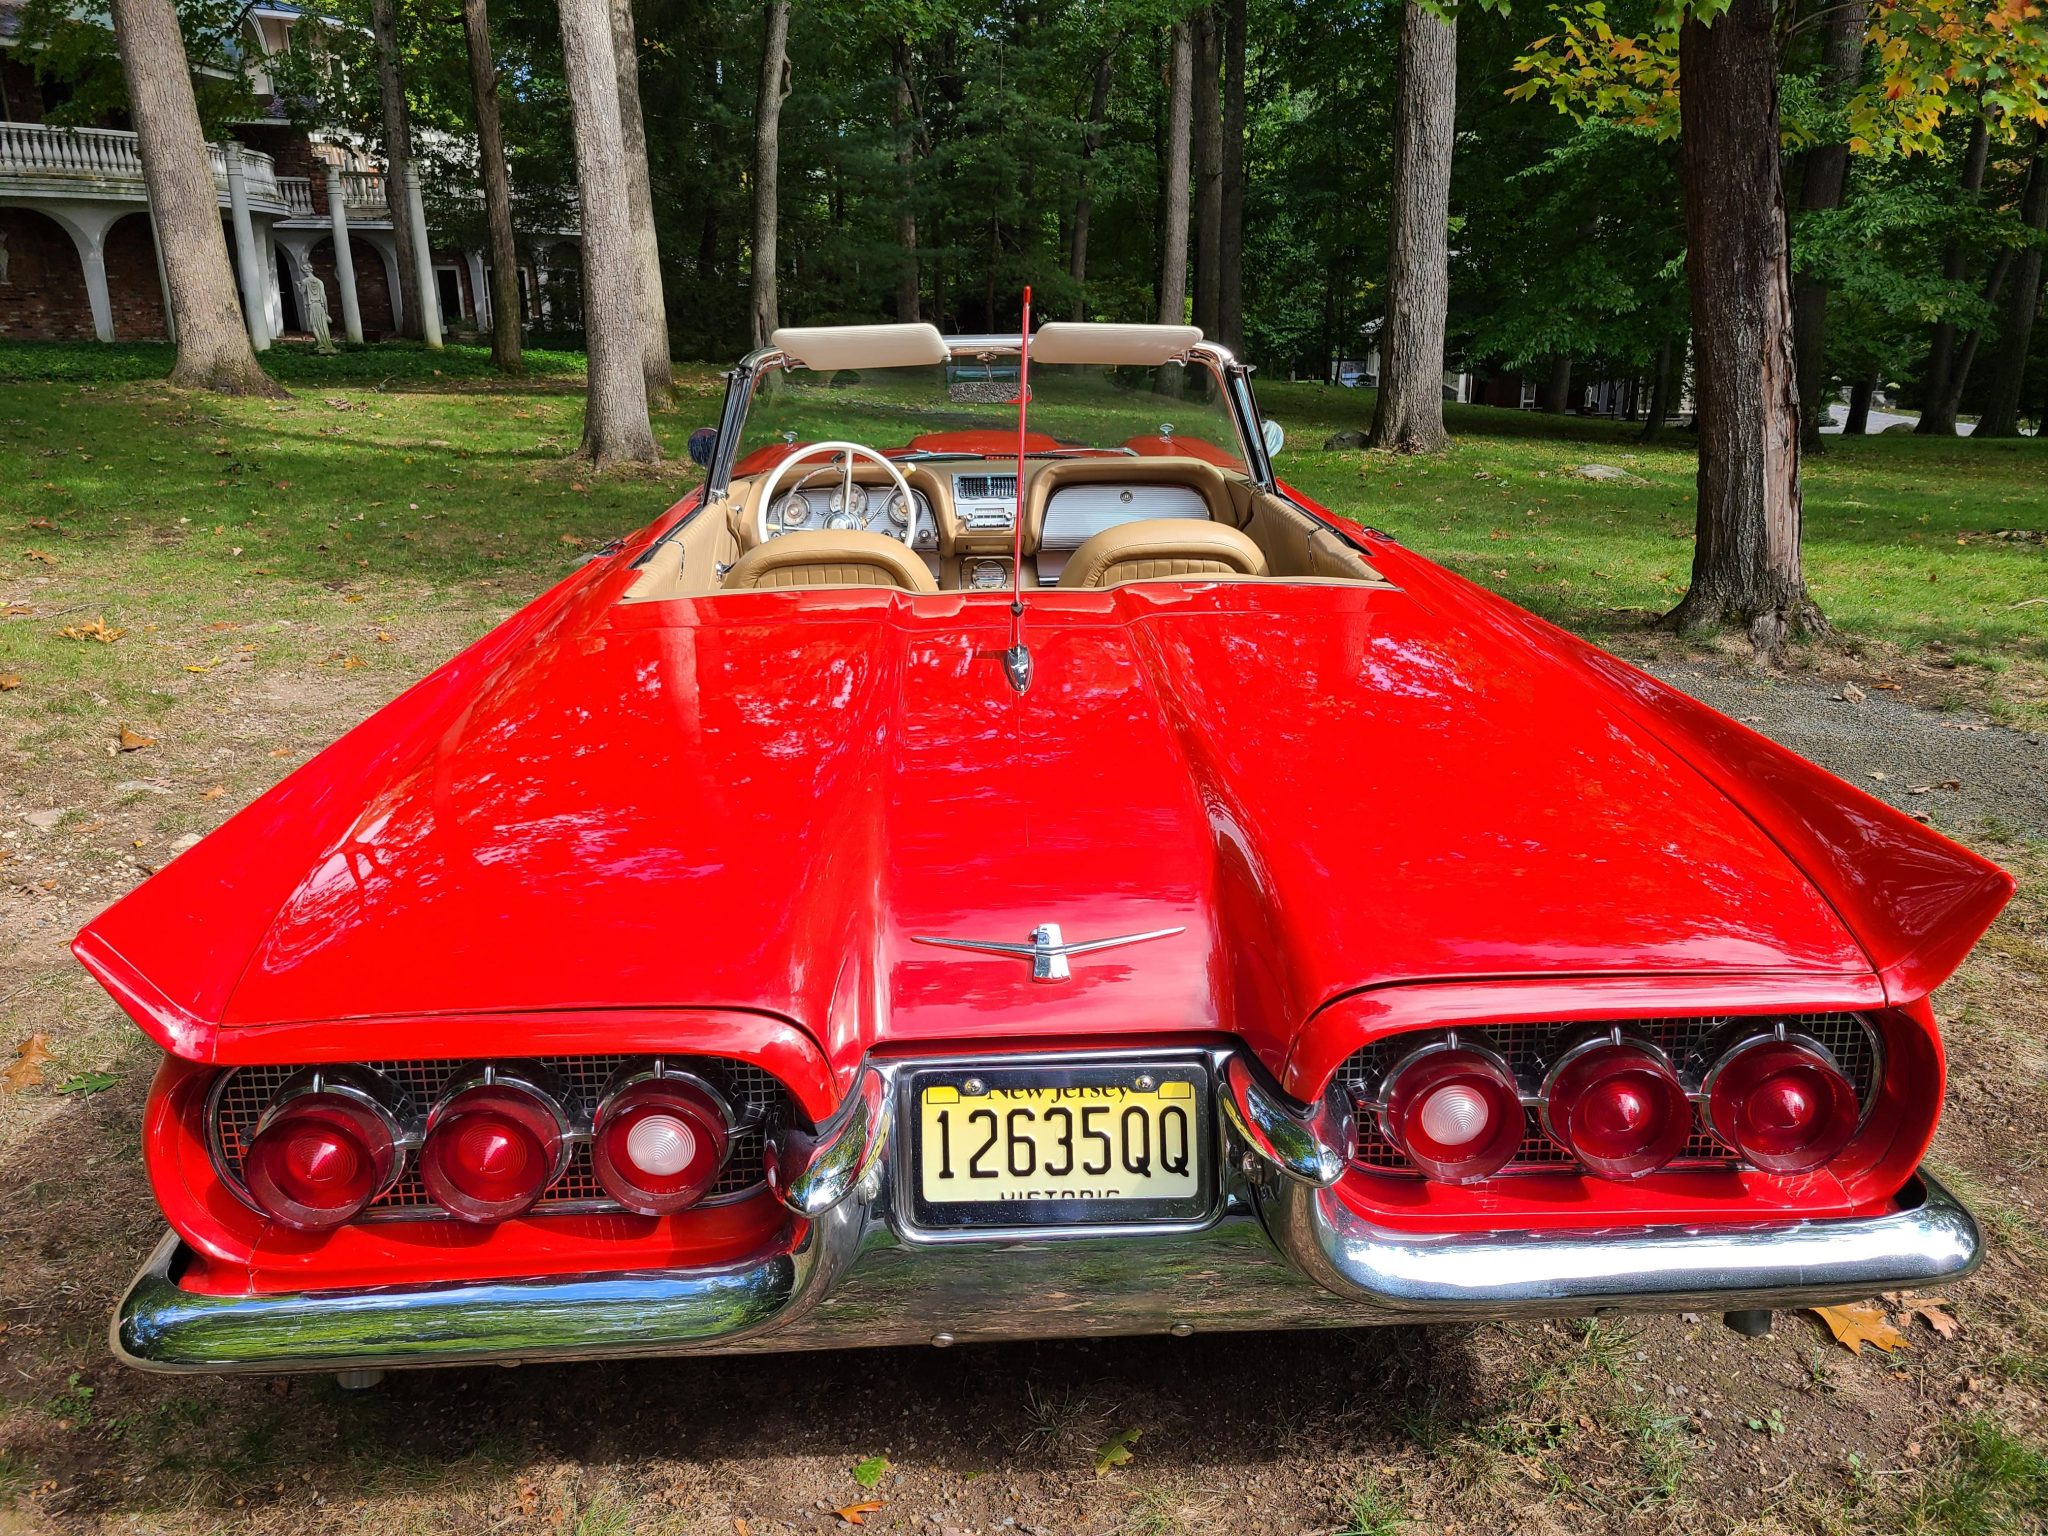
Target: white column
x=480, y=289
x=273, y=283
x=93, y=251
x=163, y=278
x=88, y=228
x=344, y=259
x=423, y=257
x=249, y=263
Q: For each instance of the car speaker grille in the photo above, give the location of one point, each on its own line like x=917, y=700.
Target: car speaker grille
x=1528, y=1047
x=240, y=1099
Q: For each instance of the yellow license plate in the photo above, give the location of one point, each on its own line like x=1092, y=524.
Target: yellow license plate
x=1016, y=1142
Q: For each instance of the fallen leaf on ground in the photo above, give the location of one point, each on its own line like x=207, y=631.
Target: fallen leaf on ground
x=1888, y=685
x=88, y=1083
x=96, y=630
x=1860, y=1323
x=212, y=794
x=38, y=555
x=9, y=681
x=1116, y=1450
x=352, y=663
x=204, y=666
x=1852, y=693
x=871, y=1470
x=1933, y=1311
x=133, y=741
x=857, y=1514
x=280, y=752
x=26, y=1071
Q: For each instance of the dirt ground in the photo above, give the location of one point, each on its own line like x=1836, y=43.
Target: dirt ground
x=1633, y=1424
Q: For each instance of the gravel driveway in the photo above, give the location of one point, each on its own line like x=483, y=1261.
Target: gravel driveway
x=1952, y=768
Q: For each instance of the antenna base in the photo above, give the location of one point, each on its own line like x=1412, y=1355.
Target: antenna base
x=1017, y=667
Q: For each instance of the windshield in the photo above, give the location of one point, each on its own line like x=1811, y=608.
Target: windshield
x=968, y=408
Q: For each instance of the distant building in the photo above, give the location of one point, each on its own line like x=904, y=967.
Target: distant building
x=78, y=255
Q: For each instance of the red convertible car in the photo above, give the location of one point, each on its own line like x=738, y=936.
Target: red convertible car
x=958, y=878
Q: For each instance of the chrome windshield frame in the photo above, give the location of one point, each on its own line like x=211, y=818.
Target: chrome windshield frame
x=1233, y=379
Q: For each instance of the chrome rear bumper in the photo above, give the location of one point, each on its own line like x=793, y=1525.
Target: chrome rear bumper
x=1285, y=1251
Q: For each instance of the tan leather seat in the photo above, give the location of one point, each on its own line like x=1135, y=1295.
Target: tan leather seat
x=1162, y=549
x=830, y=559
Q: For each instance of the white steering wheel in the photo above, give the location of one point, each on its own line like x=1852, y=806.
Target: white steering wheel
x=763, y=532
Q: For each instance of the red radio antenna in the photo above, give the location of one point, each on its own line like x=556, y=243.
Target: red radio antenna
x=1017, y=660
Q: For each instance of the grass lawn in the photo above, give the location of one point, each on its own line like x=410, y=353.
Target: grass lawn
x=233, y=583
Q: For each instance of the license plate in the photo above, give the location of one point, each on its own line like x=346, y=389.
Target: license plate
x=1002, y=1146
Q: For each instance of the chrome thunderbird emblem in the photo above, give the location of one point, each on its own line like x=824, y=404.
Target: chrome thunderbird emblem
x=1048, y=950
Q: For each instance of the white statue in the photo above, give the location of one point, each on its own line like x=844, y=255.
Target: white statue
x=5, y=260
x=313, y=300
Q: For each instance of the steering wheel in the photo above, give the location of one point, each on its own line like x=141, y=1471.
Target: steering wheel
x=762, y=532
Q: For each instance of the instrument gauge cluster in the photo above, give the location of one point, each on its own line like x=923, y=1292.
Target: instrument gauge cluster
x=878, y=509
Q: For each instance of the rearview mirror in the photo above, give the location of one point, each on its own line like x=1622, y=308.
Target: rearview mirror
x=702, y=441
x=1274, y=434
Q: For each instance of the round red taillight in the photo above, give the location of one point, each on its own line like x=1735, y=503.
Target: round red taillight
x=494, y=1144
x=660, y=1140
x=325, y=1148
x=1781, y=1102
x=1618, y=1107
x=1455, y=1111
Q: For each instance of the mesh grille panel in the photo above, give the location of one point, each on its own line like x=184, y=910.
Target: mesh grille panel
x=247, y=1090
x=1527, y=1047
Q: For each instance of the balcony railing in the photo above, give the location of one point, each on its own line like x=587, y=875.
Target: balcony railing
x=297, y=192
x=104, y=162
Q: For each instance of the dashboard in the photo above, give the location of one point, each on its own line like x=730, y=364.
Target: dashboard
x=962, y=520
x=875, y=508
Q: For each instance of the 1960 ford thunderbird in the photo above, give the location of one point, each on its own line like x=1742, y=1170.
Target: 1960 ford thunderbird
x=962, y=875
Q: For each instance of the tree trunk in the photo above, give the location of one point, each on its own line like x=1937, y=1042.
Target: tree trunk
x=1826, y=178
x=767, y=163
x=1954, y=264
x=615, y=425
x=397, y=155
x=1208, y=134
x=648, y=299
x=2001, y=416
x=1950, y=403
x=1745, y=566
x=1230, y=251
x=1660, y=394
x=497, y=179
x=1084, y=197
x=1857, y=423
x=213, y=343
x=902, y=115
x=1173, y=224
x=1408, y=417
x=1557, y=390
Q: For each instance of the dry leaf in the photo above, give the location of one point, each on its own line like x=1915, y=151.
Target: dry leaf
x=352, y=663
x=9, y=681
x=96, y=630
x=1933, y=1311
x=857, y=1514
x=572, y=541
x=740, y=1527
x=280, y=752
x=132, y=741
x=1852, y=693
x=1860, y=1323
x=27, y=1068
x=212, y=794
x=204, y=666
x=37, y=554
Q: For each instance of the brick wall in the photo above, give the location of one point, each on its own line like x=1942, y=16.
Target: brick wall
x=45, y=299
x=291, y=152
x=132, y=285
x=373, y=289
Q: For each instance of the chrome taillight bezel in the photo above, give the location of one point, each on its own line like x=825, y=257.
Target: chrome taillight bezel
x=364, y=1092
x=657, y=1071
x=530, y=1082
